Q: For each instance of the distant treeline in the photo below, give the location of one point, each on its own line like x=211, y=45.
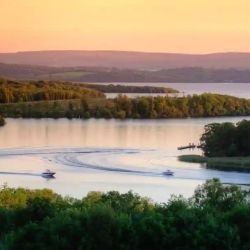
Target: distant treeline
x=101, y=74
x=226, y=139
x=111, y=88
x=205, y=105
x=12, y=91
x=215, y=217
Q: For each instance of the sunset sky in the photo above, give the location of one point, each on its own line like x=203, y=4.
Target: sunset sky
x=190, y=26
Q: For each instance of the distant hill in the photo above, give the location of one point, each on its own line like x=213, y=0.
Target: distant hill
x=131, y=60
x=98, y=74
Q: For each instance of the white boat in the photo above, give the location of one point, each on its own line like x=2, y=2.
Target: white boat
x=168, y=173
x=48, y=174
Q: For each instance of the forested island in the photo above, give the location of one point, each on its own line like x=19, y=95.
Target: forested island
x=37, y=99
x=225, y=146
x=113, y=88
x=13, y=91
x=216, y=217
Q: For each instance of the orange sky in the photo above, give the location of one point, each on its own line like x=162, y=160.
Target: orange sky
x=191, y=26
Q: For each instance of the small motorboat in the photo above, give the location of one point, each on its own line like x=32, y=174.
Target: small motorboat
x=48, y=174
x=168, y=173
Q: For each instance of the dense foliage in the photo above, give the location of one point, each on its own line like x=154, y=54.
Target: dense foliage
x=179, y=107
x=205, y=105
x=226, y=139
x=57, y=99
x=12, y=91
x=216, y=217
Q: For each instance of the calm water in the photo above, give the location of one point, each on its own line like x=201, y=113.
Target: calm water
x=105, y=155
x=236, y=89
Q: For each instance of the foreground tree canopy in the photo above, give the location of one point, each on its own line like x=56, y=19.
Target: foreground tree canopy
x=216, y=217
x=226, y=139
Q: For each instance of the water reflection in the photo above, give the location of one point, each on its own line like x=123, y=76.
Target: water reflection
x=167, y=134
x=105, y=155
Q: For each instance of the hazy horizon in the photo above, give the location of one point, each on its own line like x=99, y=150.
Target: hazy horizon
x=125, y=51
x=202, y=27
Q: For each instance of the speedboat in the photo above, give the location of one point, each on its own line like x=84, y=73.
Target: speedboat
x=48, y=174
x=168, y=173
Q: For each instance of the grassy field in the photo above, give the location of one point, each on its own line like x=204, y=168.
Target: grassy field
x=221, y=163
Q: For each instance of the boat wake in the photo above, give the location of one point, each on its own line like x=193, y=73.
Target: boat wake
x=152, y=163
x=26, y=174
x=19, y=173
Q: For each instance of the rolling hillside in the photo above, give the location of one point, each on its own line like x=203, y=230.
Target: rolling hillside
x=131, y=60
x=97, y=74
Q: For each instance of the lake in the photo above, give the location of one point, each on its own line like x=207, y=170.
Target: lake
x=104, y=155
x=235, y=89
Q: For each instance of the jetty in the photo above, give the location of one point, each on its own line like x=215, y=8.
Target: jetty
x=189, y=146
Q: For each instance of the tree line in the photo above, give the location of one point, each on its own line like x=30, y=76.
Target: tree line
x=205, y=105
x=117, y=88
x=12, y=91
x=216, y=217
x=58, y=99
x=226, y=139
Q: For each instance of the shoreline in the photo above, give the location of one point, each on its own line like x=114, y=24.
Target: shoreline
x=239, y=164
